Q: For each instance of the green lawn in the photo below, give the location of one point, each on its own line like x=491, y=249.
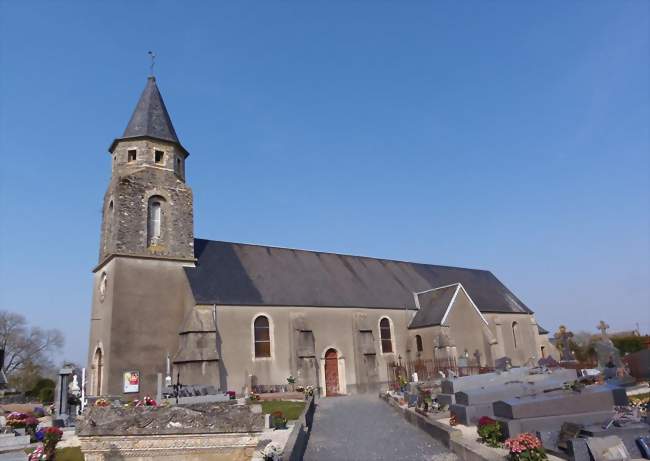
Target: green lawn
x=291, y=410
x=65, y=454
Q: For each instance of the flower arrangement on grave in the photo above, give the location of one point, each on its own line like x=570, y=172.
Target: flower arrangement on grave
x=402, y=382
x=253, y=397
x=300, y=388
x=525, y=447
x=489, y=431
x=575, y=386
x=308, y=391
x=47, y=452
x=453, y=419
x=278, y=421
x=272, y=452
x=102, y=403
x=231, y=394
x=17, y=420
x=291, y=380
x=145, y=402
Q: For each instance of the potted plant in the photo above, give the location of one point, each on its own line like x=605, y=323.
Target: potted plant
x=272, y=452
x=291, y=381
x=525, y=447
x=489, y=431
x=278, y=421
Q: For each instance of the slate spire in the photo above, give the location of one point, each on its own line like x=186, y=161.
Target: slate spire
x=150, y=118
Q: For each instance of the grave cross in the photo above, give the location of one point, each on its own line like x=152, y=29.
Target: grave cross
x=602, y=326
x=563, y=336
x=477, y=356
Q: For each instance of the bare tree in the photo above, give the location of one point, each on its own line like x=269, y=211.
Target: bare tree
x=24, y=346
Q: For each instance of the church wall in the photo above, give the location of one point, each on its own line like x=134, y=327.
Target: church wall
x=427, y=334
x=150, y=298
x=467, y=329
x=100, y=325
x=528, y=341
x=331, y=327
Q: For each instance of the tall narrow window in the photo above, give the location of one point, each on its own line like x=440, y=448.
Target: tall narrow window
x=177, y=166
x=132, y=154
x=154, y=220
x=159, y=156
x=514, y=333
x=384, y=332
x=262, y=337
x=418, y=343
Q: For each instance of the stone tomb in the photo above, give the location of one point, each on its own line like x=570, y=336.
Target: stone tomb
x=12, y=448
x=450, y=386
x=471, y=404
x=548, y=411
x=200, y=432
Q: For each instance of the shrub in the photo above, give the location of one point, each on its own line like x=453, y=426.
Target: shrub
x=489, y=431
x=46, y=395
x=42, y=383
x=629, y=344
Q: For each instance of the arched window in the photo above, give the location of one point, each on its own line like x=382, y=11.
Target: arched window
x=109, y=225
x=384, y=333
x=154, y=220
x=514, y=333
x=418, y=343
x=97, y=369
x=262, y=337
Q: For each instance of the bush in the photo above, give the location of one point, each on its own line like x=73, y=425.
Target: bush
x=490, y=432
x=42, y=383
x=629, y=344
x=46, y=396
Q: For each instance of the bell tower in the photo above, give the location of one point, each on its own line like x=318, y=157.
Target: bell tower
x=140, y=290
x=148, y=205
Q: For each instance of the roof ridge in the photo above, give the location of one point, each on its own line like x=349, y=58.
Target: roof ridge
x=346, y=254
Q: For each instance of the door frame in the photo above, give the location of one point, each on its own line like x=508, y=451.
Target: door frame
x=341, y=371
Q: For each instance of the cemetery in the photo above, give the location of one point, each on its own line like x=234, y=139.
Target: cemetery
x=550, y=409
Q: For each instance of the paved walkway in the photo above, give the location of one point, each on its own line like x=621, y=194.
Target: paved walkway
x=363, y=427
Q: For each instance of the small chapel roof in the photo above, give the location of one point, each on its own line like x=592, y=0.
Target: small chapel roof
x=229, y=273
x=433, y=306
x=150, y=118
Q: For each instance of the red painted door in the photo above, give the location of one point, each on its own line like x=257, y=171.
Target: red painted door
x=331, y=372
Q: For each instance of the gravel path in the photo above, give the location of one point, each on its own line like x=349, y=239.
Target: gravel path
x=362, y=427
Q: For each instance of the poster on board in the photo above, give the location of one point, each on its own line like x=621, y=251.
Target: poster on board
x=131, y=381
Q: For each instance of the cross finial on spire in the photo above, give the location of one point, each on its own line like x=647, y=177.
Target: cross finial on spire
x=153, y=61
x=602, y=326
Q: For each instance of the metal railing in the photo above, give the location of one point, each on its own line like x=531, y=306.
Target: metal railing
x=429, y=369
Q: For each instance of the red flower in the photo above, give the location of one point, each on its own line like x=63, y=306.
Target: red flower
x=485, y=420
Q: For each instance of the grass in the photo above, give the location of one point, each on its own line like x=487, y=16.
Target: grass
x=291, y=410
x=65, y=454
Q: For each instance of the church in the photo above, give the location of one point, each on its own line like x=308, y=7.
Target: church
x=239, y=316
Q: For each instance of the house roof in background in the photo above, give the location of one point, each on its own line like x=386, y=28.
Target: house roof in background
x=229, y=273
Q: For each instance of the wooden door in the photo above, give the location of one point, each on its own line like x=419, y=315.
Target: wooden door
x=331, y=372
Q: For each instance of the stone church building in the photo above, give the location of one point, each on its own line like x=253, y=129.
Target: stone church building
x=237, y=315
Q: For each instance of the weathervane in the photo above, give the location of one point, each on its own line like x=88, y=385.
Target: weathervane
x=153, y=61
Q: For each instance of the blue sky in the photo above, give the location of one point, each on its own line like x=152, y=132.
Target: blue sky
x=507, y=135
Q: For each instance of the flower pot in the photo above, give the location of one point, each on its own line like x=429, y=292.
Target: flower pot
x=20, y=431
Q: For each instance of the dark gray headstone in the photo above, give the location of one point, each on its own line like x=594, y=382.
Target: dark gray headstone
x=577, y=450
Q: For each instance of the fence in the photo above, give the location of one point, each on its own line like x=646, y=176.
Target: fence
x=430, y=369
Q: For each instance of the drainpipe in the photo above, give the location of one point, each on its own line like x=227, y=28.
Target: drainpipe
x=216, y=339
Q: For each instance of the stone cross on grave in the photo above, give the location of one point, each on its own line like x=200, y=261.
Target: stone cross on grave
x=563, y=336
x=477, y=356
x=602, y=326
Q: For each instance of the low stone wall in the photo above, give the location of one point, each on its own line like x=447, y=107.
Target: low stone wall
x=297, y=443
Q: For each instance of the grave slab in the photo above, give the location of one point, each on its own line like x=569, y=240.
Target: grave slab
x=514, y=427
x=562, y=402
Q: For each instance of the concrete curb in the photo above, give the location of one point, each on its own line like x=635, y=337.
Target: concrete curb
x=297, y=443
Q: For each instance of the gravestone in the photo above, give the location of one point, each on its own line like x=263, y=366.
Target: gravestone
x=61, y=407
x=449, y=387
x=610, y=448
x=472, y=404
x=563, y=338
x=628, y=433
x=549, y=410
x=503, y=363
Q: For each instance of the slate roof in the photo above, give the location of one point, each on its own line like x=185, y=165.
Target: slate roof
x=229, y=273
x=433, y=305
x=150, y=118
